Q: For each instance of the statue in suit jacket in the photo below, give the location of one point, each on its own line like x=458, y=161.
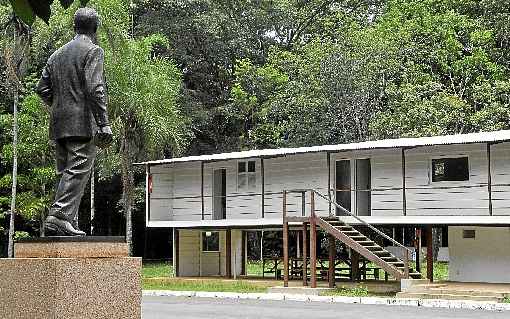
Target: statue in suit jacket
x=73, y=86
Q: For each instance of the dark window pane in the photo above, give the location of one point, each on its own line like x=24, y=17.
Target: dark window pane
x=211, y=241
x=450, y=169
x=251, y=166
x=468, y=233
x=241, y=167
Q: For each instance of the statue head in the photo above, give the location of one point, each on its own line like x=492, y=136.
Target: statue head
x=86, y=21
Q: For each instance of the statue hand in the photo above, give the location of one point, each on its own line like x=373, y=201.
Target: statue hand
x=103, y=137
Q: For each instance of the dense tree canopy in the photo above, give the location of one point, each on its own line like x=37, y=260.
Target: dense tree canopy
x=214, y=76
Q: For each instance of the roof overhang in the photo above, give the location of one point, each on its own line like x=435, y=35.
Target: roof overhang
x=265, y=223
x=483, y=137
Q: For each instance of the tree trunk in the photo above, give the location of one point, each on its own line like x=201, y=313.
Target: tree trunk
x=127, y=156
x=10, y=248
x=92, y=199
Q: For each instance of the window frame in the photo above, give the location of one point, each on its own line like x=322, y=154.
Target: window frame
x=203, y=235
x=431, y=168
x=247, y=173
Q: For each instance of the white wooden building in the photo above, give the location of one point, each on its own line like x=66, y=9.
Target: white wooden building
x=459, y=181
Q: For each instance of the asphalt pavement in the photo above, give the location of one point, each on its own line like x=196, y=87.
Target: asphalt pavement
x=201, y=308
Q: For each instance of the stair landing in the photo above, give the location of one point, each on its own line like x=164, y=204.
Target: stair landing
x=458, y=291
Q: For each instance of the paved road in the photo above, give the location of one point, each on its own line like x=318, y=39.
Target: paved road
x=201, y=308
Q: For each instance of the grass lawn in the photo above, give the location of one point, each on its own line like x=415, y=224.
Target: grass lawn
x=159, y=275
x=203, y=285
x=153, y=269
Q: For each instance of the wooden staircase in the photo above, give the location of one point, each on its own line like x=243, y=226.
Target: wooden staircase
x=368, y=249
x=351, y=237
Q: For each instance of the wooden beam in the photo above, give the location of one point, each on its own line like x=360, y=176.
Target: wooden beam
x=430, y=257
x=313, y=243
x=243, y=251
x=228, y=253
x=202, y=189
x=332, y=257
x=404, y=199
x=418, y=249
x=489, y=177
x=297, y=219
x=305, y=255
x=176, y=252
x=285, y=242
x=328, y=158
x=262, y=174
x=354, y=265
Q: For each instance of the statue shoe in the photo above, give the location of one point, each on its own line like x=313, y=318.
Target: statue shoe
x=54, y=226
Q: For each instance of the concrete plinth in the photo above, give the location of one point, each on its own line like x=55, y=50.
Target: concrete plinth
x=91, y=283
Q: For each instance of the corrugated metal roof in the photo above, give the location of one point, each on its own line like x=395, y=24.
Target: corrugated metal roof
x=483, y=137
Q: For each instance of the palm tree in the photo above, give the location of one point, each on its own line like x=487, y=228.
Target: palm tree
x=143, y=90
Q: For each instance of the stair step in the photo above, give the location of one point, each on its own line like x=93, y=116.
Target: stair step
x=398, y=262
x=420, y=295
x=365, y=242
x=381, y=252
x=372, y=248
x=347, y=232
x=387, y=258
x=360, y=237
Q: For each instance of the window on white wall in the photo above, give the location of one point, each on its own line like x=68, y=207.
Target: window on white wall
x=246, y=175
x=450, y=169
x=211, y=241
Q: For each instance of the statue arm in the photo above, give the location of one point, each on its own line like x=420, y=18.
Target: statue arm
x=44, y=87
x=96, y=86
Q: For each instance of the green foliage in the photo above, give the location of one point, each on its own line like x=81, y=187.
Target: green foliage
x=35, y=160
x=29, y=10
x=21, y=235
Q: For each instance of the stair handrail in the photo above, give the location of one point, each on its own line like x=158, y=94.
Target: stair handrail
x=407, y=250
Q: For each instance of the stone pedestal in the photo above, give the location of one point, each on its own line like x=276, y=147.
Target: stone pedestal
x=69, y=277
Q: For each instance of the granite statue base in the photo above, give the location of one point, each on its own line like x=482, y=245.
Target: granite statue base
x=69, y=277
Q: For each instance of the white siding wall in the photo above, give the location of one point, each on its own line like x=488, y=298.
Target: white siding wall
x=425, y=197
x=187, y=189
x=161, y=202
x=195, y=262
x=482, y=259
x=241, y=204
x=386, y=182
x=500, y=168
x=295, y=172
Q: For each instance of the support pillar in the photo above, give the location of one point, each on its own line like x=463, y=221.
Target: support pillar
x=354, y=265
x=285, y=242
x=228, y=253
x=332, y=255
x=244, y=234
x=313, y=244
x=305, y=255
x=175, y=256
x=430, y=254
x=418, y=249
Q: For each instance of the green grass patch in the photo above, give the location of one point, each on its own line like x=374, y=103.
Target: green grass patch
x=506, y=300
x=440, y=270
x=254, y=268
x=348, y=291
x=152, y=269
x=202, y=285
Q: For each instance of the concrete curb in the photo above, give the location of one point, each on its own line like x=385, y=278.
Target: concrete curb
x=429, y=303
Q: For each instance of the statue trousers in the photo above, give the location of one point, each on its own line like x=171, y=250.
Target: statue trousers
x=75, y=158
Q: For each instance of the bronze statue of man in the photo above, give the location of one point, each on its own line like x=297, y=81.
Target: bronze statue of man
x=73, y=86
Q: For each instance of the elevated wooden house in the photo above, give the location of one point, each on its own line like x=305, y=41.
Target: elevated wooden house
x=461, y=182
